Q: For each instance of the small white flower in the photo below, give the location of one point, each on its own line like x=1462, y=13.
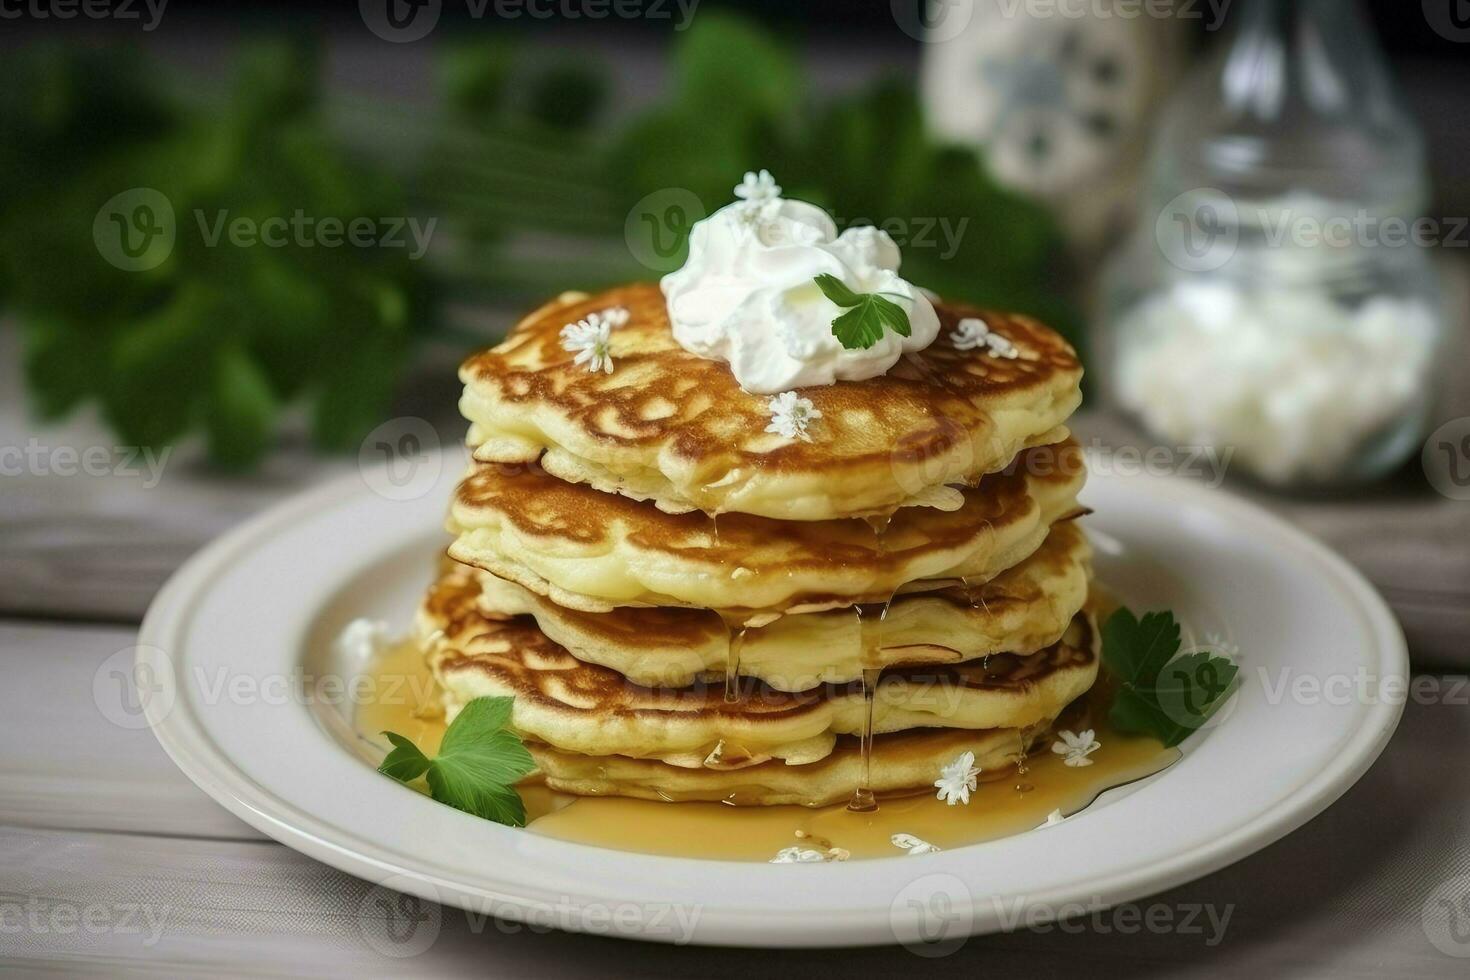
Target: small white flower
x=1076, y=748
x=758, y=187
x=974, y=332
x=971, y=333
x=957, y=779
x=591, y=338
x=790, y=415
x=798, y=855
x=999, y=346
x=761, y=217
x=1053, y=818
x=913, y=844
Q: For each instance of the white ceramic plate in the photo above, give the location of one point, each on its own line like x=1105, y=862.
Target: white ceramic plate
x=1321, y=658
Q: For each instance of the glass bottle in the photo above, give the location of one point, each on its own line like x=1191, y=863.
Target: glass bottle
x=1277, y=300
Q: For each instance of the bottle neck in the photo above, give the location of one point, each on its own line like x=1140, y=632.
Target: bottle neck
x=1319, y=52
x=1298, y=97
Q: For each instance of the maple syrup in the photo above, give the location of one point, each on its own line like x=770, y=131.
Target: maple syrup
x=870, y=640
x=735, y=633
x=1011, y=800
x=870, y=659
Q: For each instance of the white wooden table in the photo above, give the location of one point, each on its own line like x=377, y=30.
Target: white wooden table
x=111, y=862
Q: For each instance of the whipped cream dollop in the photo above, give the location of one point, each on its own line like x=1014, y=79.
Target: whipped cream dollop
x=747, y=293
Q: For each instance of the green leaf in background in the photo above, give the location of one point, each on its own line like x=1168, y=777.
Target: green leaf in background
x=534, y=188
x=727, y=61
x=736, y=105
x=240, y=409
x=213, y=338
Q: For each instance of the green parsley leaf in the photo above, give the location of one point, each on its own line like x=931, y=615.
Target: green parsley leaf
x=837, y=291
x=405, y=762
x=1161, y=694
x=478, y=763
x=867, y=314
x=1141, y=647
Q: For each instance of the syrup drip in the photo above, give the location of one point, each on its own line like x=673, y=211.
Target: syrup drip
x=735, y=630
x=870, y=646
x=974, y=591
x=870, y=636
x=863, y=800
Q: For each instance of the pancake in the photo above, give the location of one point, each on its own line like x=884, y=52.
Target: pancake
x=674, y=428
x=594, y=551
x=588, y=709
x=1022, y=610
x=905, y=762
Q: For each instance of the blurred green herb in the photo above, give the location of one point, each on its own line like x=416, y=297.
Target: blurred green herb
x=534, y=191
x=735, y=103
x=738, y=105
x=212, y=339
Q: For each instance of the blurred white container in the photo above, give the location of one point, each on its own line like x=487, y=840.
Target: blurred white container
x=1273, y=302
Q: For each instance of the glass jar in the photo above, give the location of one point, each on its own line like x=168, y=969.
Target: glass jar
x=1277, y=301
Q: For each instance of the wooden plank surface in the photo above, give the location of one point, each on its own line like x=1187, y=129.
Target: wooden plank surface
x=97, y=542
x=73, y=756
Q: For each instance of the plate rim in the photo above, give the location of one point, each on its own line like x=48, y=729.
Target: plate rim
x=209, y=767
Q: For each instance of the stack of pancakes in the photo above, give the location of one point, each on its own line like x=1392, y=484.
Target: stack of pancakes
x=687, y=606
